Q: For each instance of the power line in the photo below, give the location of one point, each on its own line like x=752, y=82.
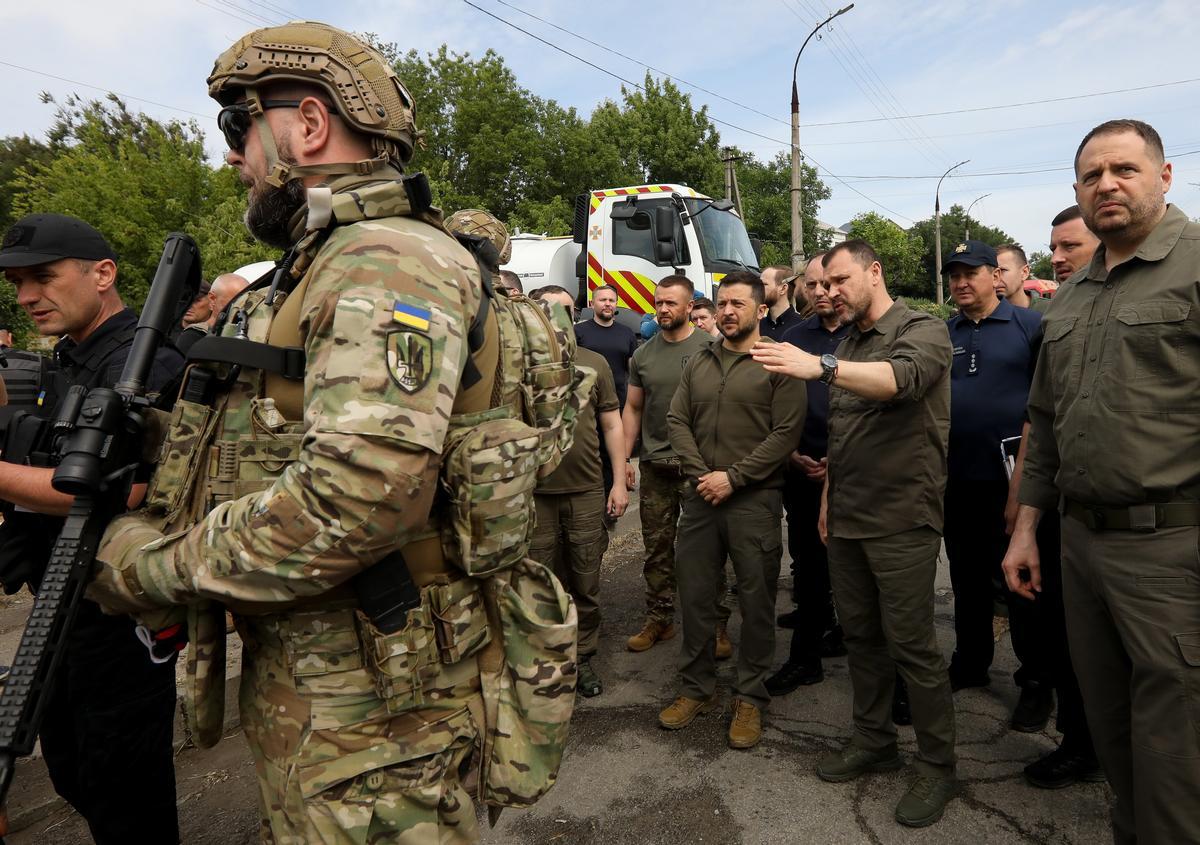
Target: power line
x=998, y=172
x=241, y=18
x=1017, y=105
x=640, y=88
x=628, y=58
x=105, y=90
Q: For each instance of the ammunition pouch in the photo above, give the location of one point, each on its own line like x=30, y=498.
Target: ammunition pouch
x=528, y=698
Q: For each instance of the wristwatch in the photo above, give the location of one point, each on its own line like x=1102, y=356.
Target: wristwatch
x=829, y=365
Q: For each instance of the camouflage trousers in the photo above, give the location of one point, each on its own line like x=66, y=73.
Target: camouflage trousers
x=570, y=540
x=336, y=763
x=659, y=506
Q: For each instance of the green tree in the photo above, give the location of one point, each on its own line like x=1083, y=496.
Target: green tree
x=1040, y=266
x=765, y=187
x=954, y=226
x=899, y=252
x=136, y=179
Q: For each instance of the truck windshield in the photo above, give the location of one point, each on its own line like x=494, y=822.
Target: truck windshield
x=723, y=239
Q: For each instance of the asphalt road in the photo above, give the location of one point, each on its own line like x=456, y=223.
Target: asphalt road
x=625, y=781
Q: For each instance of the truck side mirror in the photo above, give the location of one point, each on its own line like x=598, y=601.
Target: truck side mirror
x=757, y=245
x=665, y=219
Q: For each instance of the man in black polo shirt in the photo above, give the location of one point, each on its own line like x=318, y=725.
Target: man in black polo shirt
x=995, y=350
x=813, y=617
x=106, y=734
x=605, y=336
x=778, y=280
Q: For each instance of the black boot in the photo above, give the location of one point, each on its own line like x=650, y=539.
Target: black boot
x=792, y=676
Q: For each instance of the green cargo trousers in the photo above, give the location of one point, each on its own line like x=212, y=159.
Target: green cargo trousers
x=659, y=506
x=883, y=591
x=570, y=540
x=747, y=529
x=1133, y=623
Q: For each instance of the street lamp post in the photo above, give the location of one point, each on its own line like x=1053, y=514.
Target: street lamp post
x=797, y=225
x=967, y=233
x=937, y=231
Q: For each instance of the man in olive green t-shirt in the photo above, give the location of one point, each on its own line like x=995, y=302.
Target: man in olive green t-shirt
x=570, y=537
x=654, y=373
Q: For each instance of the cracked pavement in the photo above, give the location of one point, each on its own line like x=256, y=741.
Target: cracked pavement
x=625, y=781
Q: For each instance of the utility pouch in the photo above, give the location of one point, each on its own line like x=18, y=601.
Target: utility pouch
x=189, y=431
x=530, y=698
x=489, y=472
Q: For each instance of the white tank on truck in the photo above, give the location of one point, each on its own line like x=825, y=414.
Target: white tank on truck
x=630, y=238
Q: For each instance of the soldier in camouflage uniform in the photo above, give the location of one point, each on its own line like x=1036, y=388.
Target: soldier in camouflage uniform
x=475, y=221
x=274, y=495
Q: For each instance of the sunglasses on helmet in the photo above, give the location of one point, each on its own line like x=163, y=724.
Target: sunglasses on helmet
x=235, y=121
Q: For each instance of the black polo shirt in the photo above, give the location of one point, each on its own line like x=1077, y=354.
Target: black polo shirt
x=775, y=328
x=97, y=362
x=811, y=336
x=616, y=343
x=993, y=367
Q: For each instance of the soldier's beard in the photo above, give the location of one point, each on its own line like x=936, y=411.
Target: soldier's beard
x=269, y=210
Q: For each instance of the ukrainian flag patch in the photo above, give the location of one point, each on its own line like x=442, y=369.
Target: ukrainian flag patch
x=411, y=316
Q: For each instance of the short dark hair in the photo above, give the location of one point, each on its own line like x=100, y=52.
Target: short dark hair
x=613, y=288
x=1013, y=248
x=677, y=281
x=858, y=249
x=546, y=290
x=511, y=280
x=752, y=280
x=705, y=303
x=1068, y=214
x=1125, y=124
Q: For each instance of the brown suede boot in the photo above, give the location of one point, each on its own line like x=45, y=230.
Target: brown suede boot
x=655, y=631
x=745, y=730
x=724, y=649
x=683, y=711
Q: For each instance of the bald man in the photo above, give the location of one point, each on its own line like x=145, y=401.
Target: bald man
x=224, y=288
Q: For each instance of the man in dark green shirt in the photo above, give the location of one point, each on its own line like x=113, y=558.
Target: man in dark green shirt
x=889, y=424
x=733, y=425
x=570, y=537
x=1114, y=441
x=654, y=374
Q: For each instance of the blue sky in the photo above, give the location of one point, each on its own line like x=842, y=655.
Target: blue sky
x=883, y=62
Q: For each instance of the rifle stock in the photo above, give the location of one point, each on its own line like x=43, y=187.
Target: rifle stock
x=106, y=425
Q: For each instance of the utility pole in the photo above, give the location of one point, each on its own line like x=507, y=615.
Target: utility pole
x=937, y=231
x=731, y=186
x=967, y=233
x=797, y=223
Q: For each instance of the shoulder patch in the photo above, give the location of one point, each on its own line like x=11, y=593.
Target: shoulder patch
x=409, y=359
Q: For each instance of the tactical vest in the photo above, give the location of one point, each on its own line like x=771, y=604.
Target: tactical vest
x=479, y=597
x=24, y=373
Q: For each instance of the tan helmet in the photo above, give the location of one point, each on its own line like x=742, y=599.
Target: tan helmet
x=360, y=82
x=476, y=221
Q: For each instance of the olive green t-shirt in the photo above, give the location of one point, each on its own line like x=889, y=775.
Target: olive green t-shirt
x=656, y=368
x=580, y=470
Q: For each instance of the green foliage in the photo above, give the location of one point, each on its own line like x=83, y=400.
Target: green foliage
x=943, y=311
x=899, y=252
x=766, y=189
x=1040, y=266
x=954, y=226
x=135, y=179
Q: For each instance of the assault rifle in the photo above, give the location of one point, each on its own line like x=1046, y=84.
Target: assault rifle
x=98, y=448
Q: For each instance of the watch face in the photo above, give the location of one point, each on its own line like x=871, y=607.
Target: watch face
x=828, y=360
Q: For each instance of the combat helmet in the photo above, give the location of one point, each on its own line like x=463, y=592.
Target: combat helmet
x=476, y=221
x=364, y=88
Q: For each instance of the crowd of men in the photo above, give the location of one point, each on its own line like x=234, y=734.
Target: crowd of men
x=977, y=432
x=1016, y=430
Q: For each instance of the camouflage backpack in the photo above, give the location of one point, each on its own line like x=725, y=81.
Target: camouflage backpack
x=491, y=464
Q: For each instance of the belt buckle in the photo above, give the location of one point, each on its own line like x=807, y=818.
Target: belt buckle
x=1143, y=519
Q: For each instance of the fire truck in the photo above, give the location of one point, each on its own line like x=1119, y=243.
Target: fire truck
x=630, y=238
